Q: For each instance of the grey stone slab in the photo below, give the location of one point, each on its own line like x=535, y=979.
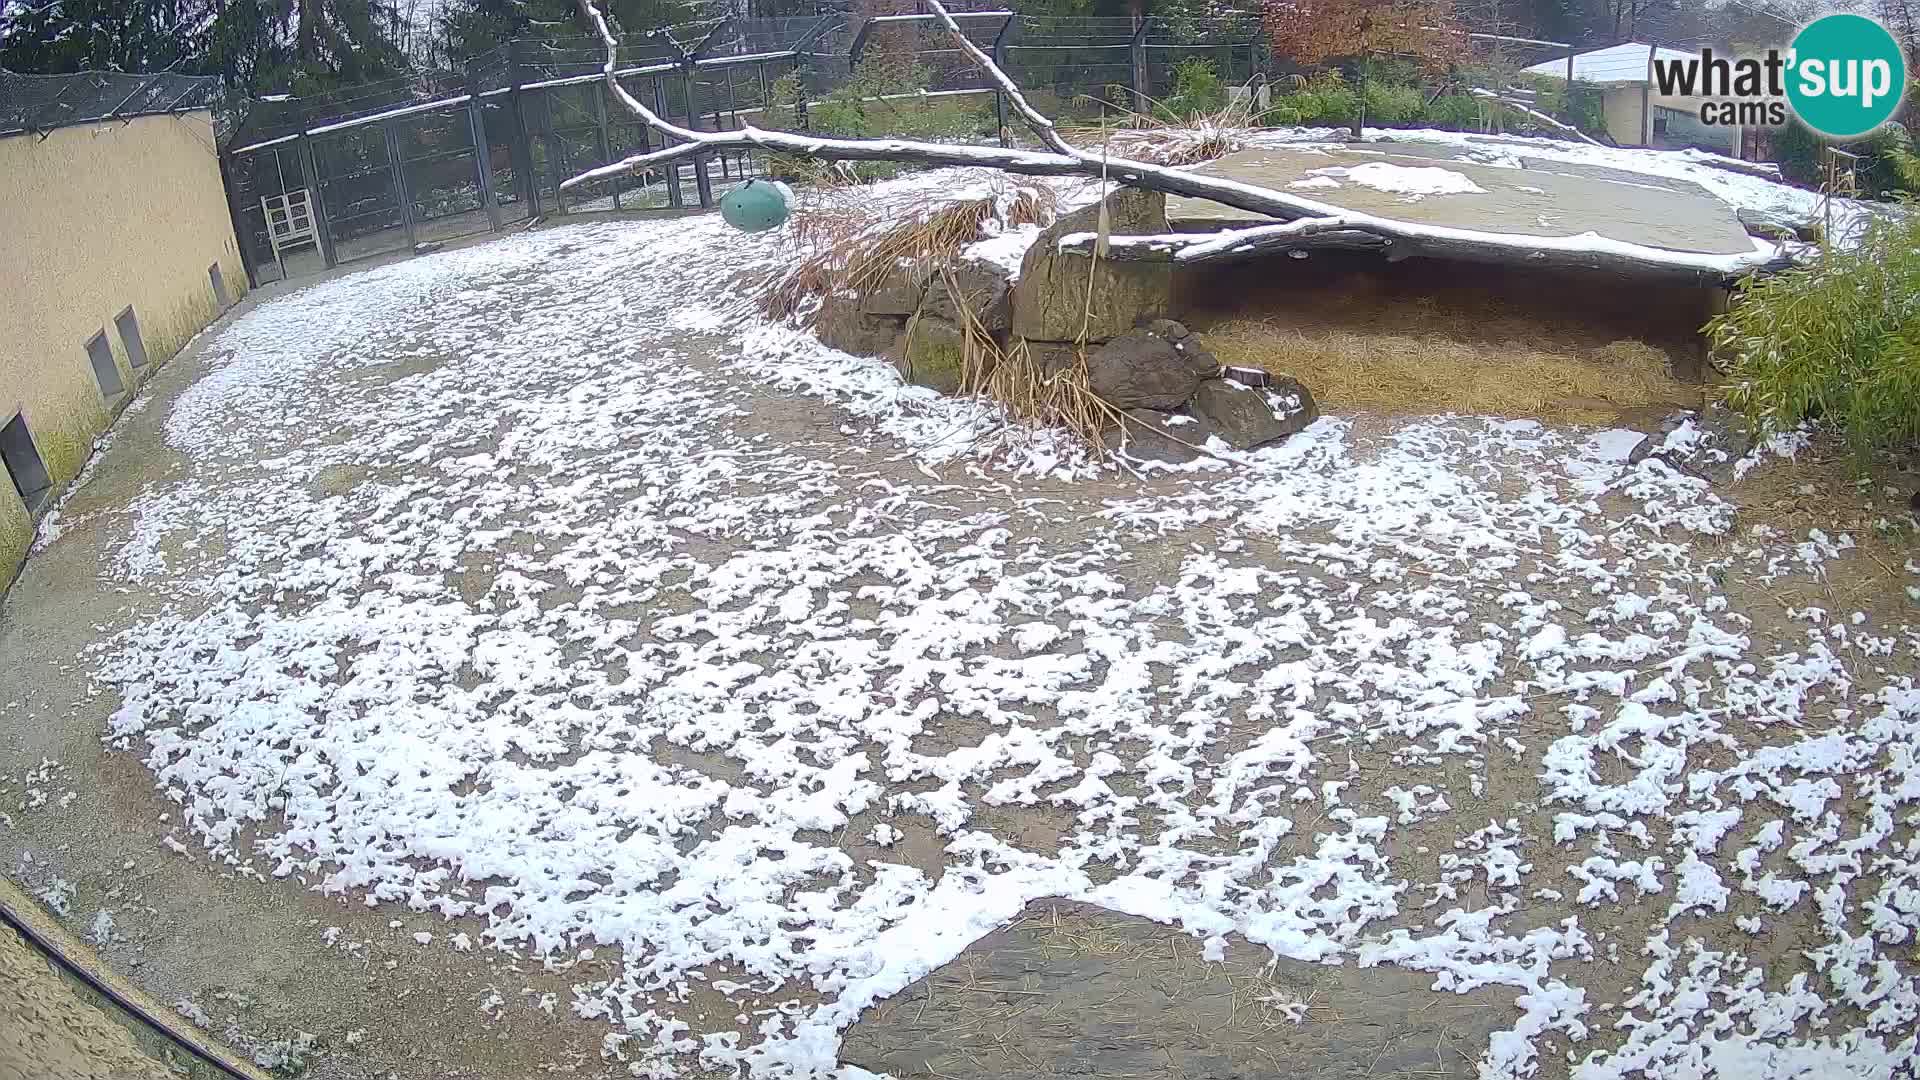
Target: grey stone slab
x=1069, y=990
x=1543, y=199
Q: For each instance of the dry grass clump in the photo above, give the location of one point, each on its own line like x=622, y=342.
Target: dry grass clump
x=1431, y=373
x=1165, y=144
x=1155, y=134
x=852, y=242
x=1032, y=394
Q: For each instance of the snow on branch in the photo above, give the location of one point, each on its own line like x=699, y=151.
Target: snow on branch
x=1398, y=240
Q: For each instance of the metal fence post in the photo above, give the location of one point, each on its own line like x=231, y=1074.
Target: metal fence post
x=672, y=168
x=522, y=148
x=395, y=163
x=1137, y=54
x=601, y=142
x=1000, y=96
x=702, y=183
x=482, y=155
x=317, y=201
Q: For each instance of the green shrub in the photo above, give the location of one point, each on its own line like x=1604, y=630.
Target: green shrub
x=1326, y=99
x=1393, y=104
x=1834, y=340
x=1197, y=90
x=1454, y=112
x=1892, y=167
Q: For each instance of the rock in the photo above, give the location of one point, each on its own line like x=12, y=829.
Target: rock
x=1248, y=418
x=1050, y=299
x=1772, y=225
x=1050, y=357
x=983, y=289
x=1149, y=435
x=842, y=325
x=1167, y=328
x=1072, y=990
x=1141, y=370
x=935, y=354
x=898, y=293
x=1292, y=402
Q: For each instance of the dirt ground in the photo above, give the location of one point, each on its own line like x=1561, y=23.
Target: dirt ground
x=331, y=987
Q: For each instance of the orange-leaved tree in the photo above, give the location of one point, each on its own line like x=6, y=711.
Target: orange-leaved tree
x=1315, y=32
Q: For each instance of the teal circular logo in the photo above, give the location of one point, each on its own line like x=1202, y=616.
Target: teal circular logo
x=1846, y=75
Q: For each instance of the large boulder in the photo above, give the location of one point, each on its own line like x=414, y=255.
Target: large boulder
x=1247, y=418
x=1052, y=357
x=935, y=354
x=842, y=325
x=1150, y=435
x=898, y=293
x=982, y=289
x=1143, y=370
x=1050, y=300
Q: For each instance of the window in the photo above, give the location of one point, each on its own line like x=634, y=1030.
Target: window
x=23, y=462
x=1660, y=125
x=105, y=371
x=129, y=326
x=219, y=286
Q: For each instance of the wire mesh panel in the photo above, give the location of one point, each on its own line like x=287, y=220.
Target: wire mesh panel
x=1232, y=49
x=256, y=182
x=1073, y=69
x=500, y=132
x=441, y=169
x=46, y=102
x=359, y=192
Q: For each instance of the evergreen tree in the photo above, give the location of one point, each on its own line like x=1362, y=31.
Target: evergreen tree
x=57, y=36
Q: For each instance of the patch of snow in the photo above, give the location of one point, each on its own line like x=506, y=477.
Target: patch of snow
x=1413, y=181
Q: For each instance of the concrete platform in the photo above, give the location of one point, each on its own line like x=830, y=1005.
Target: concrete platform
x=1069, y=991
x=1541, y=199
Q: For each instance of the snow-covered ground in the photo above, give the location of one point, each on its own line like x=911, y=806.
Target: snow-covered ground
x=531, y=586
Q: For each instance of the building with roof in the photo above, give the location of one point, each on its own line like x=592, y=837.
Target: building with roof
x=1637, y=114
x=119, y=249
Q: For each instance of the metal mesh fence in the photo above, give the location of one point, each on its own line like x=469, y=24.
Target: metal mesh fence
x=41, y=103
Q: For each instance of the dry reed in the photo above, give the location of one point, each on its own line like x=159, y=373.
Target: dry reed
x=852, y=244
x=1431, y=373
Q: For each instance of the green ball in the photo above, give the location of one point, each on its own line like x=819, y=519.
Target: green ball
x=757, y=206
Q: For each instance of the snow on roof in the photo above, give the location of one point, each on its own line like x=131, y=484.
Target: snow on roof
x=1616, y=64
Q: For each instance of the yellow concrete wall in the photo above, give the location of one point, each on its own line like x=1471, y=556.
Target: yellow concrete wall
x=1623, y=106
x=94, y=218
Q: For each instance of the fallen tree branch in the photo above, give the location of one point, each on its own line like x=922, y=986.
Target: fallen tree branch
x=1402, y=240
x=1332, y=226
x=1537, y=116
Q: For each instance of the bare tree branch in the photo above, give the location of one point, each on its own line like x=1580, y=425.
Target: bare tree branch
x=1539, y=117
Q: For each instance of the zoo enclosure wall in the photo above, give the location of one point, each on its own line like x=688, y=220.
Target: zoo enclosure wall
x=119, y=250
x=389, y=166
